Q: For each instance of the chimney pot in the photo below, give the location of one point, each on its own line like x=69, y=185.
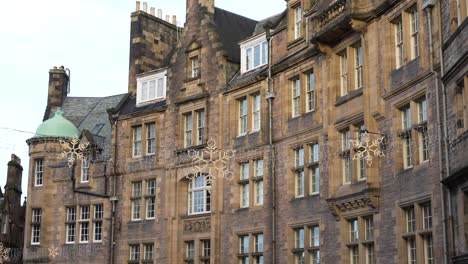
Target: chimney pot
x=174, y=20
x=145, y=7
x=167, y=18
x=137, y=6
x=152, y=10
x=160, y=13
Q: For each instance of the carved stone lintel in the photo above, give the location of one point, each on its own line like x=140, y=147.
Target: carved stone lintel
x=197, y=226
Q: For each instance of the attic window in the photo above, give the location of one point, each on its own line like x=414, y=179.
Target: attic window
x=151, y=87
x=254, y=53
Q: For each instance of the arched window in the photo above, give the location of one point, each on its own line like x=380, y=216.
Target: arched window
x=199, y=195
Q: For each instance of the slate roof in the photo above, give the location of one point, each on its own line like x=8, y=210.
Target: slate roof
x=90, y=113
x=129, y=106
x=275, y=19
x=233, y=28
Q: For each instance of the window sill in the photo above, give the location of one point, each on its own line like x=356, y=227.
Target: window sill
x=83, y=185
x=242, y=135
x=297, y=250
x=409, y=234
x=242, y=209
x=352, y=244
x=243, y=181
x=348, y=97
x=368, y=242
x=187, y=149
x=295, y=42
x=200, y=215
x=191, y=79
x=148, y=102
x=297, y=198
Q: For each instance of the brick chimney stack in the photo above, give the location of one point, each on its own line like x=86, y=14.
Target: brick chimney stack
x=14, y=176
x=151, y=40
x=58, y=88
x=208, y=4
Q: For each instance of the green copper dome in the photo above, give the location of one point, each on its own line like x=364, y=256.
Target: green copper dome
x=57, y=126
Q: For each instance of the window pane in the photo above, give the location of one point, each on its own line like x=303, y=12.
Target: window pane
x=264, y=52
x=256, y=56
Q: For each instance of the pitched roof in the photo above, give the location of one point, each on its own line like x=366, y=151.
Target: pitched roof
x=233, y=28
x=275, y=19
x=129, y=106
x=90, y=113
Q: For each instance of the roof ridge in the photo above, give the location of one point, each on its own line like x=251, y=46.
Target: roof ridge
x=224, y=10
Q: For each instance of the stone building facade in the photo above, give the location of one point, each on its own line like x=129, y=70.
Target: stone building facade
x=286, y=97
x=12, y=212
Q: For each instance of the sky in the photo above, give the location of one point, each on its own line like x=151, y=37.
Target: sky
x=89, y=37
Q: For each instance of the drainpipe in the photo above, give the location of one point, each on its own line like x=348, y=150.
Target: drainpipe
x=442, y=144
x=113, y=199
x=269, y=97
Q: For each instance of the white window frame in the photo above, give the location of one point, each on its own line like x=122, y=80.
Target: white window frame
x=399, y=42
x=248, y=53
x=414, y=30
x=310, y=93
x=36, y=219
x=39, y=172
x=137, y=141
x=244, y=170
x=256, y=112
x=296, y=96
x=151, y=87
x=407, y=140
x=150, y=138
x=343, y=60
x=243, y=119
x=134, y=252
x=98, y=222
x=148, y=251
x=347, y=163
x=297, y=22
x=192, y=189
x=71, y=222
x=136, y=200
x=150, y=203
x=188, y=129
x=85, y=170
x=259, y=185
x=200, y=126
x=85, y=216
x=353, y=230
x=358, y=68
x=190, y=250
x=195, y=67
x=205, y=248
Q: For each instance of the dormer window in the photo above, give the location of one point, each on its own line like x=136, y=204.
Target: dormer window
x=151, y=87
x=254, y=53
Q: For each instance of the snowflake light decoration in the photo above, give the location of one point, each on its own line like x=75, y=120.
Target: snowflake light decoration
x=367, y=148
x=73, y=150
x=53, y=251
x=209, y=160
x=4, y=253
